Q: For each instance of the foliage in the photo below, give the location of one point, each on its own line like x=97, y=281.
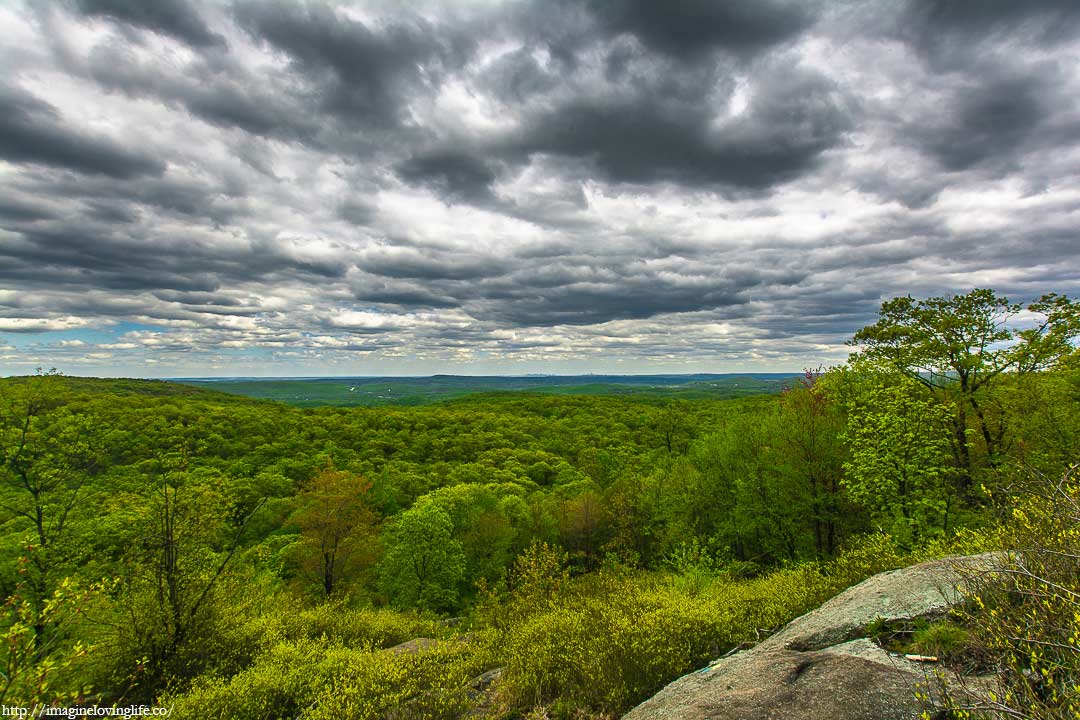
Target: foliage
x=317, y=679
x=960, y=346
x=423, y=563
x=169, y=592
x=42, y=664
x=337, y=528
x=242, y=558
x=967, y=339
x=605, y=641
x=898, y=464
x=1028, y=617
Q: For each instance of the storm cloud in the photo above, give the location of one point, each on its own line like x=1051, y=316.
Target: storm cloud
x=194, y=187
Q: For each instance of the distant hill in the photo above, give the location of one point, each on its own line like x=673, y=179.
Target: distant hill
x=75, y=385
x=376, y=391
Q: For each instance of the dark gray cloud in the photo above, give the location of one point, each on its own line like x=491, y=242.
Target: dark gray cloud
x=951, y=33
x=176, y=18
x=688, y=28
x=454, y=175
x=32, y=131
x=358, y=73
x=426, y=266
x=526, y=185
x=793, y=118
x=990, y=122
x=24, y=210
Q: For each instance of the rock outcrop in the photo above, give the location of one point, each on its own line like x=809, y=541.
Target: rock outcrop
x=820, y=665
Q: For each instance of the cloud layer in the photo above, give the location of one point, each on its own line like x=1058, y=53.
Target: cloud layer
x=282, y=188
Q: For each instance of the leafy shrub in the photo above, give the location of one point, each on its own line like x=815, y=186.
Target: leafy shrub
x=311, y=680
x=605, y=641
x=1028, y=617
x=40, y=662
x=352, y=627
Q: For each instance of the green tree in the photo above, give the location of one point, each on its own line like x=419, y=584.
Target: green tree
x=179, y=556
x=959, y=346
x=423, y=563
x=899, y=458
x=672, y=423
x=811, y=454
x=583, y=526
x=47, y=455
x=337, y=527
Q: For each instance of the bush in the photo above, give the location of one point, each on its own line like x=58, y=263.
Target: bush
x=1028, y=617
x=606, y=641
x=310, y=680
x=603, y=642
x=363, y=627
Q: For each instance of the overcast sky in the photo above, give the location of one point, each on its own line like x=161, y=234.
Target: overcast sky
x=242, y=188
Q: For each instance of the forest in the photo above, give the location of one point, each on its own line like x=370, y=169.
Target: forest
x=226, y=557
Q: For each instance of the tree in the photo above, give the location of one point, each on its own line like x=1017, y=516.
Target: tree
x=899, y=456
x=583, y=523
x=671, y=423
x=46, y=458
x=179, y=556
x=749, y=503
x=423, y=563
x=960, y=345
x=337, y=527
x=808, y=435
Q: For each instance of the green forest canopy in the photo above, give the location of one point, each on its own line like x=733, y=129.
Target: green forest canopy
x=163, y=541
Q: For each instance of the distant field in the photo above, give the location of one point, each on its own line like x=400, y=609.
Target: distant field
x=369, y=392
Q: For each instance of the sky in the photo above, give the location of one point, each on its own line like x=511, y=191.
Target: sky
x=201, y=188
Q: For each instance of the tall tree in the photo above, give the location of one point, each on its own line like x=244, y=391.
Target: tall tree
x=423, y=564
x=899, y=456
x=958, y=346
x=47, y=455
x=182, y=546
x=812, y=454
x=337, y=527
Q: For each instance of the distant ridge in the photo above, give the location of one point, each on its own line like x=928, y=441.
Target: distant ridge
x=592, y=377
x=366, y=390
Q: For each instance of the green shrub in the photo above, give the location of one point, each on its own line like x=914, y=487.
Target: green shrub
x=356, y=627
x=429, y=685
x=1027, y=618
x=283, y=681
x=608, y=640
x=311, y=680
x=603, y=642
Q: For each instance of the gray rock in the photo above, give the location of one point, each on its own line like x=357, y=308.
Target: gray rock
x=791, y=685
x=919, y=591
x=819, y=665
x=483, y=682
x=413, y=647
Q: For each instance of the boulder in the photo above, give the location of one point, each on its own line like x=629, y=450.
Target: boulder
x=792, y=685
x=925, y=590
x=820, y=665
x=413, y=647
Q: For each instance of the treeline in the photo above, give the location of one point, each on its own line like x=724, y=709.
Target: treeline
x=159, y=539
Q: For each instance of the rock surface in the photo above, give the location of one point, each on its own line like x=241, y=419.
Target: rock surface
x=412, y=647
x=919, y=591
x=789, y=684
x=819, y=666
